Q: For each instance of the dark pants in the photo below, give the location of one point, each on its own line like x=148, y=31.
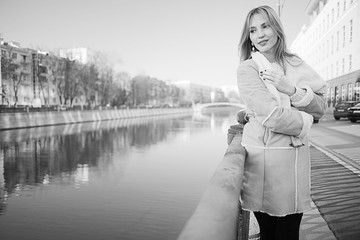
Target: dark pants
x=279, y=228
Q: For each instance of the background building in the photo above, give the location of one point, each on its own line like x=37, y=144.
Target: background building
x=82, y=55
x=196, y=93
x=231, y=92
x=82, y=78
x=331, y=45
x=34, y=78
x=17, y=83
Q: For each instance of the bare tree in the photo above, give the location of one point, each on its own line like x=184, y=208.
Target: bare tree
x=72, y=81
x=89, y=77
x=104, y=85
x=14, y=70
x=43, y=78
x=56, y=69
x=105, y=80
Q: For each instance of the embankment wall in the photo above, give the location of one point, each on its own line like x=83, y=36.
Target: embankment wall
x=37, y=119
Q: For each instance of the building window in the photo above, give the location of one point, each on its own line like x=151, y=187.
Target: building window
x=332, y=15
x=338, y=9
x=337, y=68
x=351, y=29
x=332, y=44
x=350, y=91
x=344, y=5
x=350, y=62
x=343, y=65
x=344, y=32
x=327, y=21
x=343, y=92
x=3, y=53
x=318, y=33
x=357, y=91
x=327, y=48
x=337, y=40
x=328, y=93
x=331, y=71
x=320, y=53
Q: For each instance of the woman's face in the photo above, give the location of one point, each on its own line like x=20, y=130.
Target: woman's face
x=262, y=35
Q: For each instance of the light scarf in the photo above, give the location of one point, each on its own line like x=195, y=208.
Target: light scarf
x=281, y=98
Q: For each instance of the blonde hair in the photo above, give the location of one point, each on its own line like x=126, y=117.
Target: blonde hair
x=281, y=52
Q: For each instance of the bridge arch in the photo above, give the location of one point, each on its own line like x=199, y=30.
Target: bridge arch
x=200, y=106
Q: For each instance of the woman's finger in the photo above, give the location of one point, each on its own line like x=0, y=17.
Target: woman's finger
x=269, y=79
x=267, y=74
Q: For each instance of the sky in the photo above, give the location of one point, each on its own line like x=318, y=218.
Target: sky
x=172, y=40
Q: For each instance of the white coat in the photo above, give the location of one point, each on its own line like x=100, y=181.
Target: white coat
x=277, y=167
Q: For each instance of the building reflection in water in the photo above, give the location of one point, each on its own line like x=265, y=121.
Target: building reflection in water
x=126, y=178
x=66, y=154
x=3, y=194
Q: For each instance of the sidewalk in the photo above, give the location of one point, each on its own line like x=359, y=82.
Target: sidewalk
x=314, y=227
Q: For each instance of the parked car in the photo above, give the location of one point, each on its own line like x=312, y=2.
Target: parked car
x=354, y=113
x=341, y=109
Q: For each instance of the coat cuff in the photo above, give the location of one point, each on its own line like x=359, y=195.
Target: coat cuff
x=308, y=121
x=302, y=97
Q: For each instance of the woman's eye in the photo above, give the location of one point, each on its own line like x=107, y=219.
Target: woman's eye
x=252, y=31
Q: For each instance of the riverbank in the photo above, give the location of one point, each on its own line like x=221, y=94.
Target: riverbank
x=37, y=119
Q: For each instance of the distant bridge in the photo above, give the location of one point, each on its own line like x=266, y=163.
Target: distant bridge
x=200, y=106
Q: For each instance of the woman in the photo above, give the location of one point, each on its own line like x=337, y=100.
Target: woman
x=283, y=96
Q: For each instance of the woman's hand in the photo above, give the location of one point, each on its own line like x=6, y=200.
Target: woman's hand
x=279, y=81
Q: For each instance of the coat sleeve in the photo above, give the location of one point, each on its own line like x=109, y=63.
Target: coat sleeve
x=307, y=100
x=316, y=107
x=258, y=99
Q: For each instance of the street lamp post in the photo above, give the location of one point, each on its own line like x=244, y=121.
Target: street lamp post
x=1, y=90
x=280, y=7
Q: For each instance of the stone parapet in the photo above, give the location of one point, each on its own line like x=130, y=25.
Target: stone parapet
x=37, y=119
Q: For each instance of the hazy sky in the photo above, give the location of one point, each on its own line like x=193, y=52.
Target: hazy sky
x=177, y=40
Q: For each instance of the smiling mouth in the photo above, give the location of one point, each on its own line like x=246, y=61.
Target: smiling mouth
x=262, y=42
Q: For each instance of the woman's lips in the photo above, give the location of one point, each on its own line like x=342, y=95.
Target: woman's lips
x=262, y=43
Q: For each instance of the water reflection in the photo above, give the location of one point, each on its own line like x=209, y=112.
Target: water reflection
x=74, y=155
x=30, y=157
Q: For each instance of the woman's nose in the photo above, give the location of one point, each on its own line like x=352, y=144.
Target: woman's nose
x=260, y=33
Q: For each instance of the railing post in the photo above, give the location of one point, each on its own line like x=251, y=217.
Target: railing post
x=243, y=224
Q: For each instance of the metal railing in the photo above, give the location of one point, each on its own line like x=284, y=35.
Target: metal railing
x=218, y=215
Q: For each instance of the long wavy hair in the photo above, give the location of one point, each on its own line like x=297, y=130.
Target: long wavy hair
x=281, y=52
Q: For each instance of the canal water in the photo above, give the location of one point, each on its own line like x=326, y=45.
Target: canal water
x=125, y=179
